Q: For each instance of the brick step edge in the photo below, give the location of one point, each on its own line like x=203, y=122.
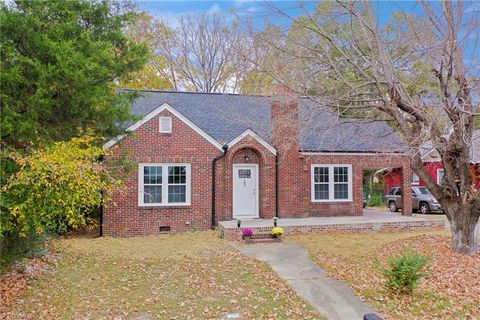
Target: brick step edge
x=261, y=235
x=261, y=240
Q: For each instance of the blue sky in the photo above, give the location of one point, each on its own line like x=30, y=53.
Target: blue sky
x=171, y=10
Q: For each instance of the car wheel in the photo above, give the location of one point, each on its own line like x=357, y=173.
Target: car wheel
x=424, y=208
x=393, y=206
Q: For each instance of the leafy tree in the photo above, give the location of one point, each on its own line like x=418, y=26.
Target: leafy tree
x=59, y=62
x=156, y=74
x=55, y=187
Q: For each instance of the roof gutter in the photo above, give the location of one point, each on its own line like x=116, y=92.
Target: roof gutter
x=100, y=159
x=276, y=184
x=214, y=188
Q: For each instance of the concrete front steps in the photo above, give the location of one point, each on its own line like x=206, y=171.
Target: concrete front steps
x=261, y=237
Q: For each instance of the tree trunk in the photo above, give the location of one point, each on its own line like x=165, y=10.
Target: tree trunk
x=464, y=227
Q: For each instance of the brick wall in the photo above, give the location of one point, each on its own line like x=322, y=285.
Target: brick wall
x=295, y=168
x=147, y=145
x=266, y=161
x=359, y=163
x=285, y=138
x=184, y=145
x=235, y=234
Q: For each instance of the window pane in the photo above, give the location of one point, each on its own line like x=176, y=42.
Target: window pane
x=321, y=192
x=321, y=174
x=176, y=194
x=177, y=174
x=441, y=175
x=340, y=191
x=340, y=174
x=244, y=173
x=152, y=194
x=152, y=175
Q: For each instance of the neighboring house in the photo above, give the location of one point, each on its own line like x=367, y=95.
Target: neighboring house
x=201, y=158
x=434, y=166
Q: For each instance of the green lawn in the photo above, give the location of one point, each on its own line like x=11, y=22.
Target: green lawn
x=185, y=276
x=451, y=289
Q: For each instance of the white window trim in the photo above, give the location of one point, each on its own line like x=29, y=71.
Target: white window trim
x=331, y=183
x=160, y=120
x=164, y=185
x=250, y=132
x=415, y=182
x=439, y=181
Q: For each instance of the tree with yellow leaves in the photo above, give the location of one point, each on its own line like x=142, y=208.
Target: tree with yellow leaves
x=56, y=187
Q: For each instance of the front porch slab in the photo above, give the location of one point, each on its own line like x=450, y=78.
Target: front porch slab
x=371, y=221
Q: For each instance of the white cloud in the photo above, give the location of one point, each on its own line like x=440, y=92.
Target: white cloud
x=214, y=9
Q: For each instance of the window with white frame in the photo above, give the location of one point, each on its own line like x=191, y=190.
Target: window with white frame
x=165, y=124
x=440, y=176
x=331, y=182
x=164, y=184
x=415, y=179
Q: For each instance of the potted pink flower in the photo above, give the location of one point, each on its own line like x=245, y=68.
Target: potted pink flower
x=247, y=233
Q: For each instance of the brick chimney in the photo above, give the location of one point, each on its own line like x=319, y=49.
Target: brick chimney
x=285, y=120
x=285, y=138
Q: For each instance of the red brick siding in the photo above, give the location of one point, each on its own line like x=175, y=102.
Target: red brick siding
x=147, y=145
x=257, y=154
x=184, y=145
x=358, y=162
x=285, y=138
x=235, y=234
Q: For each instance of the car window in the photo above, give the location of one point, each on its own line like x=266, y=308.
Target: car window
x=392, y=191
x=422, y=190
x=398, y=192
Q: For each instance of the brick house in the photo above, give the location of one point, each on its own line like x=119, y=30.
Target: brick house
x=201, y=158
x=433, y=164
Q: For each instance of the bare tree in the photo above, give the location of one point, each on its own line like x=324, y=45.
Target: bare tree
x=420, y=71
x=201, y=53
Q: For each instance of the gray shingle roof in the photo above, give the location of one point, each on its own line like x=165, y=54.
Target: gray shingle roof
x=225, y=116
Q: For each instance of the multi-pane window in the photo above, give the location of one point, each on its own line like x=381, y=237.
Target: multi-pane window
x=321, y=182
x=177, y=184
x=164, y=184
x=331, y=183
x=340, y=183
x=152, y=184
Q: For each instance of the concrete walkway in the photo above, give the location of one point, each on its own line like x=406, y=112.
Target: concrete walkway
x=291, y=262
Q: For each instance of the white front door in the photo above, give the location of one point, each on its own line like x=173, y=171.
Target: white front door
x=245, y=191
